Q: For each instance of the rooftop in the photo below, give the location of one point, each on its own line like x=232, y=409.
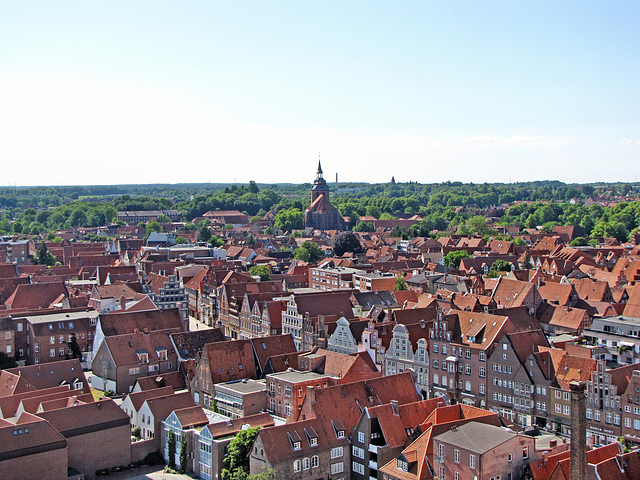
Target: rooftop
x=243, y=386
x=295, y=376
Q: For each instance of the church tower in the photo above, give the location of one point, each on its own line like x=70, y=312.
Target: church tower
x=319, y=185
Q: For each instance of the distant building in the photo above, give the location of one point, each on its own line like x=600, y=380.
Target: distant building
x=321, y=214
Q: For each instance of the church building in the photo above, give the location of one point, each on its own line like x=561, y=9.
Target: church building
x=321, y=214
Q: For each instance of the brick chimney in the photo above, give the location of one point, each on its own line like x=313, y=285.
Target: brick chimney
x=578, y=431
x=311, y=394
x=123, y=303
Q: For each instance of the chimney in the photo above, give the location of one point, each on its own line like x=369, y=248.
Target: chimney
x=395, y=406
x=311, y=394
x=123, y=303
x=553, y=443
x=578, y=431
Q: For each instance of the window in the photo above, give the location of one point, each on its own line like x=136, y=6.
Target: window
x=472, y=461
x=37, y=348
x=287, y=409
x=456, y=476
x=510, y=457
x=297, y=466
x=70, y=325
x=52, y=340
x=336, y=452
x=596, y=415
x=481, y=388
x=287, y=391
x=467, y=386
x=456, y=456
x=357, y=452
x=566, y=396
x=444, y=349
x=467, y=353
x=134, y=371
x=52, y=352
x=525, y=452
x=441, y=472
x=361, y=437
x=467, y=369
x=315, y=461
x=627, y=422
x=482, y=372
x=441, y=451
x=435, y=348
x=636, y=424
x=357, y=467
x=558, y=394
x=337, y=468
x=482, y=356
x=589, y=414
x=20, y=327
x=61, y=352
x=306, y=463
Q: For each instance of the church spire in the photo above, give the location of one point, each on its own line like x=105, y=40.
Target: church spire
x=319, y=172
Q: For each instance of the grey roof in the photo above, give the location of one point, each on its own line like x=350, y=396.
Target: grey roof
x=63, y=316
x=243, y=386
x=476, y=437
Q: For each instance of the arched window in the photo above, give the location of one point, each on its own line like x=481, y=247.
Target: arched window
x=305, y=463
x=315, y=461
x=297, y=466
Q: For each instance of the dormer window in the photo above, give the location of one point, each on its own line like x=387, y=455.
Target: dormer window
x=162, y=354
x=143, y=356
x=402, y=465
x=296, y=445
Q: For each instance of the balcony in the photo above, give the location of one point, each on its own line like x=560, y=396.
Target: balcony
x=374, y=448
x=373, y=464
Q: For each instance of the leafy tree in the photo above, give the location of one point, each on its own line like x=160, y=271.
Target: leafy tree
x=288, y=220
x=6, y=361
x=346, y=242
x=74, y=347
x=265, y=474
x=253, y=188
x=153, y=226
x=180, y=240
x=309, y=252
x=236, y=463
x=579, y=242
x=164, y=219
x=250, y=241
x=498, y=267
x=171, y=439
x=526, y=262
x=204, y=234
x=268, y=231
x=364, y=227
x=190, y=227
x=453, y=259
x=183, y=454
x=17, y=227
x=401, y=284
x=387, y=216
x=44, y=256
x=261, y=271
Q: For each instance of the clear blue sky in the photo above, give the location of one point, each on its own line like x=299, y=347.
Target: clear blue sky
x=195, y=91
